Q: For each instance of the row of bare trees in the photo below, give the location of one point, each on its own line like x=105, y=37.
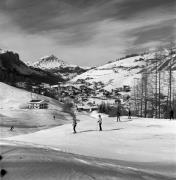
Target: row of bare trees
x=154, y=91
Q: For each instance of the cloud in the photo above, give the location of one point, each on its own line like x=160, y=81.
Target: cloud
x=163, y=33
x=81, y=29
x=129, y=9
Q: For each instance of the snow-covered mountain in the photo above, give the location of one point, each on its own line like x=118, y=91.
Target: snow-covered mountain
x=52, y=62
x=123, y=71
x=49, y=62
x=59, y=67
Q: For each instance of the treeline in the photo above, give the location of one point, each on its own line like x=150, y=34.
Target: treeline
x=154, y=92
x=111, y=110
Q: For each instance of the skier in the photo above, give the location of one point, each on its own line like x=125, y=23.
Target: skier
x=11, y=128
x=118, y=115
x=54, y=117
x=74, y=122
x=100, y=122
x=129, y=114
x=171, y=114
x=118, y=111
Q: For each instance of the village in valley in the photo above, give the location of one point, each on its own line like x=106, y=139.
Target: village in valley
x=85, y=95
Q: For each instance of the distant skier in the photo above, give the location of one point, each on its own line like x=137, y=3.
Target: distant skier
x=129, y=114
x=74, y=122
x=118, y=115
x=171, y=114
x=100, y=122
x=54, y=117
x=11, y=128
x=118, y=111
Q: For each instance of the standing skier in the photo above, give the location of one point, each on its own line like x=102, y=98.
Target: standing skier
x=171, y=114
x=129, y=114
x=118, y=112
x=11, y=128
x=74, y=121
x=74, y=124
x=100, y=122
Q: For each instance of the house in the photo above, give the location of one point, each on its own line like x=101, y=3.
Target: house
x=35, y=89
x=22, y=84
x=55, y=87
x=126, y=88
x=45, y=85
x=38, y=104
x=80, y=81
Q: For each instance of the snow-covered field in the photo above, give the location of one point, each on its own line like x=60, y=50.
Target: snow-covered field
x=36, y=164
x=143, y=140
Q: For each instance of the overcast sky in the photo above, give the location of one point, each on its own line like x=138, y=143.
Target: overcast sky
x=85, y=32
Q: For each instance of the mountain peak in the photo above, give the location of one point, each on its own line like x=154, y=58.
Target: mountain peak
x=49, y=62
x=48, y=58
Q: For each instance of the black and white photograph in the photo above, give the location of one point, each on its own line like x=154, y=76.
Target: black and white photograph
x=88, y=89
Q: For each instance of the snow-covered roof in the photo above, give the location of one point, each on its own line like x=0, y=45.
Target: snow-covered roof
x=37, y=101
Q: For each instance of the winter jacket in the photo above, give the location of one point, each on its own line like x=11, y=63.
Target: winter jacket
x=100, y=121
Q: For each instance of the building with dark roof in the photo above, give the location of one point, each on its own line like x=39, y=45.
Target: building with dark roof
x=38, y=104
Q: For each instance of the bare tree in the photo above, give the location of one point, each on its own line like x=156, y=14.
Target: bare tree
x=145, y=89
x=156, y=86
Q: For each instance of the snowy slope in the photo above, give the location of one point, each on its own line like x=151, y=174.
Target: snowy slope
x=139, y=140
x=124, y=71
x=14, y=111
x=14, y=98
x=116, y=74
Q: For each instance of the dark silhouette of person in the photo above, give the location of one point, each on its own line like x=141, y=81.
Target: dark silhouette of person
x=171, y=114
x=100, y=122
x=54, y=117
x=11, y=128
x=3, y=173
x=129, y=114
x=74, y=123
x=118, y=115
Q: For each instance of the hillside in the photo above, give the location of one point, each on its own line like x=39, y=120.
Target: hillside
x=14, y=98
x=12, y=69
x=14, y=111
x=123, y=71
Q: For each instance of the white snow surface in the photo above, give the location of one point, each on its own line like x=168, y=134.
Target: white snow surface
x=139, y=140
x=116, y=74
x=14, y=111
x=124, y=71
x=15, y=98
